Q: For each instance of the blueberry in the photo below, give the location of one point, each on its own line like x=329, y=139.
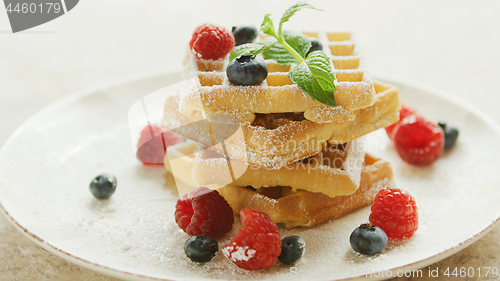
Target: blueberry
x=450, y=135
x=247, y=70
x=244, y=34
x=103, y=186
x=368, y=239
x=292, y=249
x=315, y=46
x=201, y=248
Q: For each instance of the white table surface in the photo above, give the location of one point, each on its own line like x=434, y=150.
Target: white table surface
x=450, y=45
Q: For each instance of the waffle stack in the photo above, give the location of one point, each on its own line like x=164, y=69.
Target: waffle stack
x=273, y=148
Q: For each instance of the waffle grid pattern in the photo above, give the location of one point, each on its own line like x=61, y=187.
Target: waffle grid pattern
x=212, y=92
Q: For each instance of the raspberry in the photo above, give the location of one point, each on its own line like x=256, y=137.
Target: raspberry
x=204, y=211
x=419, y=141
x=153, y=143
x=395, y=212
x=257, y=244
x=403, y=113
x=211, y=42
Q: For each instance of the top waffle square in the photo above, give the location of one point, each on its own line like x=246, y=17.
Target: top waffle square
x=210, y=91
x=275, y=140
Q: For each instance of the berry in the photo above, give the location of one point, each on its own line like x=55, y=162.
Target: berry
x=153, y=144
x=211, y=42
x=419, y=141
x=244, y=34
x=201, y=248
x=450, y=135
x=315, y=46
x=403, y=113
x=395, y=211
x=204, y=211
x=103, y=186
x=257, y=244
x=247, y=70
x=368, y=239
x=292, y=248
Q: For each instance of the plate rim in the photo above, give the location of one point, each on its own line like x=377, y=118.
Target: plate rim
x=156, y=73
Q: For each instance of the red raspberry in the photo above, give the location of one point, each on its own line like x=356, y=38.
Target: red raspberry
x=211, y=42
x=403, y=113
x=419, y=141
x=153, y=143
x=204, y=211
x=395, y=211
x=257, y=244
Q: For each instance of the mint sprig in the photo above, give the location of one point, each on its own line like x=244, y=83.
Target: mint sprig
x=267, y=26
x=312, y=73
x=314, y=76
x=296, y=40
x=291, y=11
x=252, y=48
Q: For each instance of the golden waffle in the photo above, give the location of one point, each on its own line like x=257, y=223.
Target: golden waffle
x=335, y=171
x=304, y=208
x=275, y=140
x=180, y=158
x=210, y=91
x=283, y=204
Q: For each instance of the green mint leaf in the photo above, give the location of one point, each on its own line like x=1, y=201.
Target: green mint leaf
x=298, y=41
x=267, y=26
x=315, y=77
x=280, y=55
x=252, y=48
x=292, y=10
x=320, y=66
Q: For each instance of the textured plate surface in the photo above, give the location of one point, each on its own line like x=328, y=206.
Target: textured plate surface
x=48, y=163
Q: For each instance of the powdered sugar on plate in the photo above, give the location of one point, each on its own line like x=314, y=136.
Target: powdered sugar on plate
x=44, y=189
x=241, y=253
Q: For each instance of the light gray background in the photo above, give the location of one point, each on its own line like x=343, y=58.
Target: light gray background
x=451, y=45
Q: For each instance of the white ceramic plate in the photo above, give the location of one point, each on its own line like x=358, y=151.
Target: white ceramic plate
x=47, y=164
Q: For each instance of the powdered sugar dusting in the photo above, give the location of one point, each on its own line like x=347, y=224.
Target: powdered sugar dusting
x=241, y=253
x=214, y=93
x=273, y=142
x=135, y=232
